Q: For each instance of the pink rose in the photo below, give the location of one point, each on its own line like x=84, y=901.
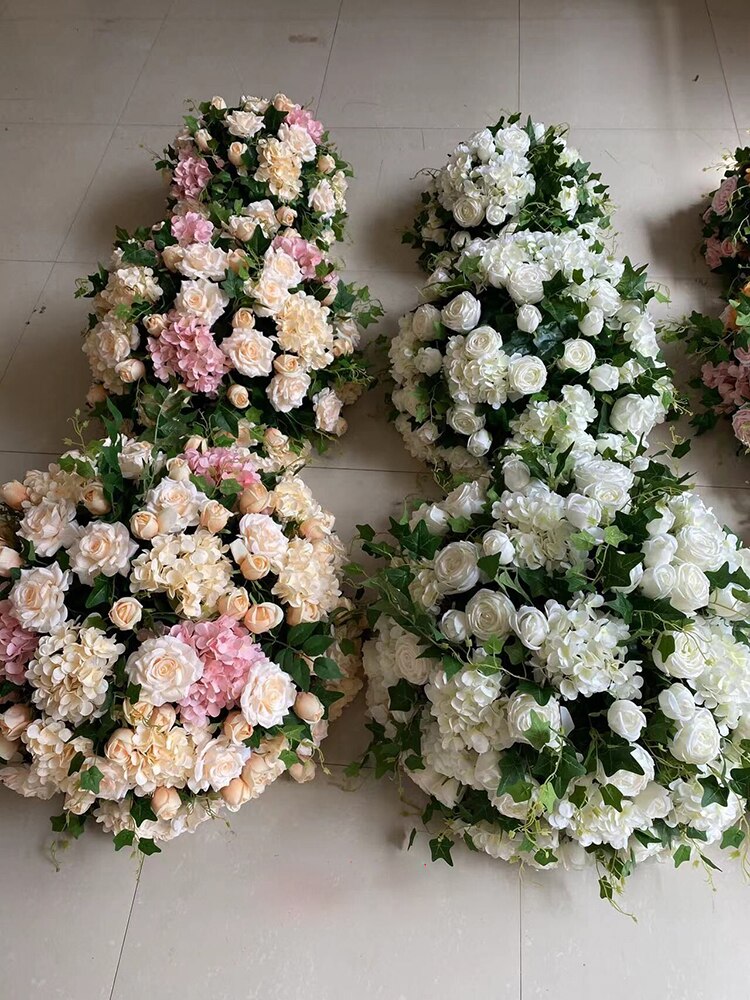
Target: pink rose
x=727, y=248
x=722, y=197
x=741, y=426
x=191, y=228
x=712, y=252
x=299, y=116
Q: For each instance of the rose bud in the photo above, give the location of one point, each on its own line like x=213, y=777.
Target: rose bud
x=144, y=524
x=15, y=720
x=94, y=499
x=202, y=138
x=96, y=394
x=131, y=370
x=235, y=153
x=285, y=215
x=234, y=604
x=236, y=728
x=282, y=103
x=238, y=396
x=236, y=260
x=326, y=164
x=254, y=499
x=126, y=613
x=254, y=567
x=263, y=617
x=308, y=612
x=119, y=746
x=214, y=517
x=196, y=443
x=312, y=529
x=219, y=103
x=236, y=793
x=309, y=707
x=14, y=494
x=166, y=802
x=172, y=256
x=302, y=771
x=178, y=469
x=8, y=748
x=155, y=324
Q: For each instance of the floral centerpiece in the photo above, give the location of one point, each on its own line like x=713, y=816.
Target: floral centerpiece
x=173, y=636
x=533, y=337
x=512, y=175
x=726, y=221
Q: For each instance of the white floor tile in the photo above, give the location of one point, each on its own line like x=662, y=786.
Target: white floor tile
x=589, y=10
x=312, y=895
x=194, y=59
x=684, y=944
x=48, y=376
x=733, y=39
x=65, y=70
x=429, y=9
x=46, y=170
x=253, y=9
x=419, y=72
x=658, y=181
x=44, y=9
x=126, y=191
x=625, y=72
x=21, y=285
x=62, y=930
x=383, y=196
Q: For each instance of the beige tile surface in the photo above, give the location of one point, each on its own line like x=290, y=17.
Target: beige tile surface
x=21, y=285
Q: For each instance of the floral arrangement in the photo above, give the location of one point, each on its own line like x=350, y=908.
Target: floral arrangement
x=232, y=306
x=726, y=221
x=173, y=636
x=534, y=337
x=509, y=175
x=262, y=154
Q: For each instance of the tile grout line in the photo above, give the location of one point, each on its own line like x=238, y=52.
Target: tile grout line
x=723, y=71
x=328, y=60
x=125, y=933
x=114, y=129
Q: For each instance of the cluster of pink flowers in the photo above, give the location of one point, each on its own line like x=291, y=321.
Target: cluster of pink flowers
x=186, y=348
x=723, y=195
x=314, y=128
x=191, y=175
x=191, y=228
x=17, y=646
x=306, y=254
x=731, y=379
x=229, y=653
x=217, y=464
x=717, y=250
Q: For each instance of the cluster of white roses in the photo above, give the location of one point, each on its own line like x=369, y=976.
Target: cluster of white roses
x=561, y=657
x=162, y=629
x=512, y=174
x=545, y=330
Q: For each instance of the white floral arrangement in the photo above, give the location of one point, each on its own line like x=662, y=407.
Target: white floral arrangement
x=533, y=338
x=511, y=175
x=561, y=661
x=173, y=636
x=260, y=152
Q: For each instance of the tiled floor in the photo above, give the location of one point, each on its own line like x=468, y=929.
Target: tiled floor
x=310, y=893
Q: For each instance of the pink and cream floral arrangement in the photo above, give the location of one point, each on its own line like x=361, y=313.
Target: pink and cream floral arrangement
x=173, y=633
x=722, y=345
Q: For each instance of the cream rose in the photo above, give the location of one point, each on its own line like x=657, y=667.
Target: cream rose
x=38, y=597
x=578, y=356
x=102, y=548
x=456, y=567
x=202, y=299
x=126, y=613
x=288, y=392
x=250, y=352
x=260, y=618
x=267, y=696
x=527, y=374
x=461, y=313
x=489, y=614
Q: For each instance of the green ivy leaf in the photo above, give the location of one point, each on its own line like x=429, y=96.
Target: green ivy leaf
x=90, y=779
x=682, y=854
x=147, y=846
x=123, y=839
x=440, y=848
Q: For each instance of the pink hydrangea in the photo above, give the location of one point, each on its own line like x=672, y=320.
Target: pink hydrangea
x=722, y=197
x=191, y=175
x=306, y=254
x=299, y=116
x=186, y=348
x=17, y=646
x=191, y=228
x=228, y=652
x=217, y=464
x=731, y=381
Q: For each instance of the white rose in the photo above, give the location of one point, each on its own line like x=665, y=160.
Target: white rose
x=497, y=543
x=165, y=667
x=38, y=597
x=520, y=707
x=429, y=361
x=657, y=582
x=691, y=589
x=456, y=567
x=461, y=313
x=288, y=392
x=677, y=702
x=250, y=352
x=629, y=782
x=526, y=284
x=49, y=525
x=634, y=414
x=454, y=626
x=568, y=199
x=659, y=550
x=322, y=198
x=244, y=124
x=515, y=473
x=592, y=323
x=688, y=660
x=583, y=512
x=465, y=500
x=468, y=211
x=654, y=801
x=578, y=355
x=489, y=614
x=202, y=299
x=102, y=548
x=527, y=374
x=425, y=322
x=408, y=661
x=134, y=458
x=479, y=443
x=528, y=318
x=531, y=626
x=264, y=537
x=482, y=342
x=433, y=516
x=697, y=741
x=464, y=419
x=626, y=719
x=603, y=378
x=267, y=696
